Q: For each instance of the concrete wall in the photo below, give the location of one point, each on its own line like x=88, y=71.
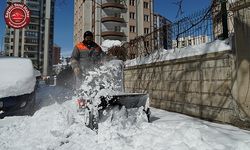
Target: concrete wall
x=200, y=86
x=241, y=11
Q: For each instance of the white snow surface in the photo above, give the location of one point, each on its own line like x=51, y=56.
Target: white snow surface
x=163, y=55
x=17, y=76
x=106, y=44
x=58, y=125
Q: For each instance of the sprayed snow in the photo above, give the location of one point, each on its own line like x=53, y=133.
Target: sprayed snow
x=102, y=81
x=17, y=76
x=59, y=126
x=109, y=43
x=163, y=55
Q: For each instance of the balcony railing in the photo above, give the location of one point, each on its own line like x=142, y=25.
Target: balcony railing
x=113, y=19
x=113, y=33
x=113, y=5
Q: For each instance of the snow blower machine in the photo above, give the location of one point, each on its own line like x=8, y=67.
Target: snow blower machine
x=93, y=114
x=109, y=75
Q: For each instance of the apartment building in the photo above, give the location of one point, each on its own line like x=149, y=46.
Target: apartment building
x=190, y=41
x=36, y=40
x=218, y=13
x=162, y=32
x=56, y=54
x=112, y=19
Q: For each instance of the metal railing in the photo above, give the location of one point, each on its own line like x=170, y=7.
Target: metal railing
x=203, y=26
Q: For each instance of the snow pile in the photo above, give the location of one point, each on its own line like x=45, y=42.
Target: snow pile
x=52, y=127
x=16, y=77
x=109, y=43
x=163, y=55
x=102, y=81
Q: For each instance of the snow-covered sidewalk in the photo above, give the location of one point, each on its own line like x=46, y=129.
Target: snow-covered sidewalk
x=60, y=126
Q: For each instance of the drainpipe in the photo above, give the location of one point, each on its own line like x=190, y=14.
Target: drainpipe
x=22, y=43
x=137, y=17
x=46, y=38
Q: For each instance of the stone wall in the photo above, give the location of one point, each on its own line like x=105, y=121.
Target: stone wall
x=199, y=86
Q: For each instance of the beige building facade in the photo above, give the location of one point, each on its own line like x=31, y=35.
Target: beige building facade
x=121, y=20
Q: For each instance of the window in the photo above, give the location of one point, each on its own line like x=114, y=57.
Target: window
x=117, y=15
x=33, y=6
x=146, y=5
x=132, y=15
x=146, y=30
x=6, y=40
x=117, y=28
x=33, y=27
x=31, y=55
x=36, y=13
x=34, y=41
x=132, y=2
x=146, y=18
x=183, y=43
x=146, y=43
x=132, y=28
x=31, y=33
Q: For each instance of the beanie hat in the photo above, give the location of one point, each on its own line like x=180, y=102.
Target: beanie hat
x=87, y=33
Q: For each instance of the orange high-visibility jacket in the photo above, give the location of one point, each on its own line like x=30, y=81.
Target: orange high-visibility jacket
x=82, y=53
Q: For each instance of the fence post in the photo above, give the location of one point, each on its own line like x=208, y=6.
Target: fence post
x=224, y=18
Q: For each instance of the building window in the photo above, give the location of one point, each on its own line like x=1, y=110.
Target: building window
x=132, y=2
x=117, y=15
x=146, y=5
x=183, y=43
x=132, y=28
x=31, y=55
x=132, y=15
x=117, y=28
x=146, y=43
x=146, y=18
x=31, y=33
x=146, y=30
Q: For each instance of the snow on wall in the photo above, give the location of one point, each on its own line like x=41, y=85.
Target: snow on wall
x=163, y=55
x=109, y=43
x=16, y=77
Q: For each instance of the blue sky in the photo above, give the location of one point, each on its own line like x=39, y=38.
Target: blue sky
x=63, y=29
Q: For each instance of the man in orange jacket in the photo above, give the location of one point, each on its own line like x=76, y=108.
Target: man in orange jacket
x=85, y=56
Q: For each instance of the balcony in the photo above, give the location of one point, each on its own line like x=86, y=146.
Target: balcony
x=113, y=19
x=113, y=5
x=113, y=33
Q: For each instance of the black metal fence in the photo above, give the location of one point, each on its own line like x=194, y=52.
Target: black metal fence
x=203, y=26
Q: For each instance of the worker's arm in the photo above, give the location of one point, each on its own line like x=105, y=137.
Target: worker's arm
x=75, y=58
x=99, y=51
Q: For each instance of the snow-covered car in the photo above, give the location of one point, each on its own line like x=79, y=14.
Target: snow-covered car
x=17, y=86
